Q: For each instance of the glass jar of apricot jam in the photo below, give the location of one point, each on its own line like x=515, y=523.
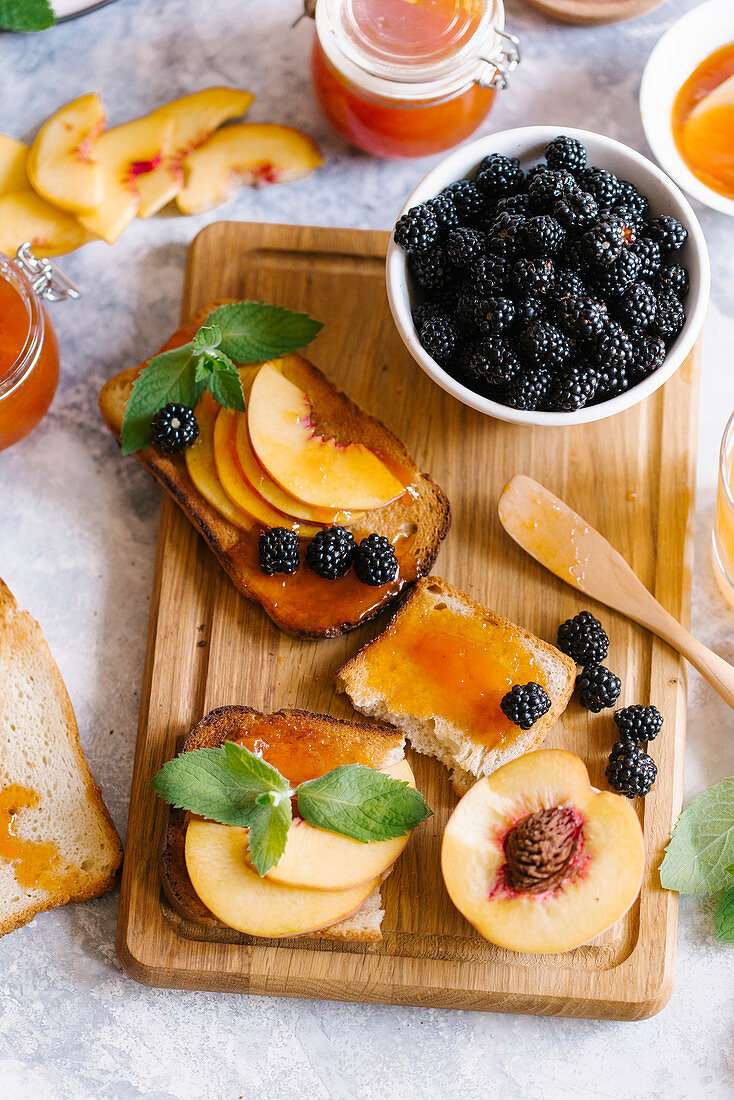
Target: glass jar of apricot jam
x=29, y=355
x=405, y=78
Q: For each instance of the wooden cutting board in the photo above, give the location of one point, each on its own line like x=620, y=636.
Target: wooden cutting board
x=631, y=476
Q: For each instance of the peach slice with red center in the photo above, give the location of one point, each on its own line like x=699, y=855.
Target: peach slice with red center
x=539, y=860
x=318, y=471
x=13, y=159
x=25, y=216
x=195, y=117
x=61, y=163
x=241, y=155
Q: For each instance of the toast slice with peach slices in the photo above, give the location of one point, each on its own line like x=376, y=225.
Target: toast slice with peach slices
x=324, y=878
x=230, y=496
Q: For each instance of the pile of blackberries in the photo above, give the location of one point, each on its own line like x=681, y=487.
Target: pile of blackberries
x=549, y=289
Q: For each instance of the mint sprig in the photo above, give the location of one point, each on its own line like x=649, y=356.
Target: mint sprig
x=240, y=332
x=702, y=846
x=235, y=786
x=725, y=914
x=26, y=15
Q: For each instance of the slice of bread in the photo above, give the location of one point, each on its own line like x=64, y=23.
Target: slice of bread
x=57, y=841
x=307, y=606
x=390, y=679
x=330, y=739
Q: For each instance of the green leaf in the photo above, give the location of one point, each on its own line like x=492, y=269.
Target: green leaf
x=169, y=376
x=253, y=331
x=225, y=386
x=268, y=834
x=725, y=917
x=207, y=338
x=221, y=784
x=361, y=803
x=698, y=858
x=26, y=15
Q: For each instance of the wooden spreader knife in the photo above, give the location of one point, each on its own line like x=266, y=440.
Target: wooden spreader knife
x=565, y=543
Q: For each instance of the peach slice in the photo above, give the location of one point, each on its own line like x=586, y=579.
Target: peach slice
x=25, y=216
x=246, y=154
x=320, y=860
x=539, y=860
x=13, y=158
x=125, y=154
x=217, y=867
x=236, y=485
x=61, y=164
x=195, y=117
x=318, y=471
x=202, y=469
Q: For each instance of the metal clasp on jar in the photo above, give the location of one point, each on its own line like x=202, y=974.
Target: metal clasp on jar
x=496, y=70
x=47, y=281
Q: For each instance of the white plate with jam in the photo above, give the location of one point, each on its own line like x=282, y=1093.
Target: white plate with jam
x=704, y=31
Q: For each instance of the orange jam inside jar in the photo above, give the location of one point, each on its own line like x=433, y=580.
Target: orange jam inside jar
x=705, y=138
x=406, y=78
x=29, y=355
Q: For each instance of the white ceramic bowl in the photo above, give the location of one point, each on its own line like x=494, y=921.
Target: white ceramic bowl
x=682, y=48
x=528, y=143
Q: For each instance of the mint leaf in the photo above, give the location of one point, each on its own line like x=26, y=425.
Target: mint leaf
x=207, y=338
x=26, y=15
x=225, y=386
x=169, y=376
x=253, y=331
x=269, y=833
x=725, y=917
x=702, y=846
x=361, y=803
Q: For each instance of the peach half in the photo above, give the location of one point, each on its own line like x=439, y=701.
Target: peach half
x=539, y=860
x=61, y=163
x=238, y=896
x=316, y=470
x=248, y=153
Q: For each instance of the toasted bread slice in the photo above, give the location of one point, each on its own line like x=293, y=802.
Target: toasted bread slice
x=57, y=841
x=307, y=605
x=316, y=743
x=439, y=670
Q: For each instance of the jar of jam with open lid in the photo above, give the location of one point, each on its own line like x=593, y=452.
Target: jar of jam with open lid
x=29, y=355
x=405, y=78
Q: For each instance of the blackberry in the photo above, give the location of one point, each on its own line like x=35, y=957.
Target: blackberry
x=543, y=234
x=543, y=344
x=584, y=317
x=524, y=704
x=493, y=361
x=672, y=279
x=628, y=222
x=584, y=639
x=613, y=348
x=438, y=337
x=638, y=723
x=614, y=379
x=576, y=211
x=604, y=186
x=630, y=771
x=548, y=186
x=603, y=243
x=504, y=234
x=574, y=258
x=498, y=175
x=514, y=204
x=631, y=199
x=613, y=280
x=529, y=309
x=649, y=355
x=533, y=276
x=416, y=231
x=650, y=256
x=668, y=232
x=430, y=310
x=468, y=200
x=490, y=274
x=670, y=317
x=444, y=208
x=638, y=306
x=565, y=152
x=431, y=270
x=574, y=387
x=277, y=551
x=528, y=390
x=494, y=315
x=374, y=561
x=567, y=284
x=598, y=688
x=173, y=428
x=330, y=552
x=464, y=245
